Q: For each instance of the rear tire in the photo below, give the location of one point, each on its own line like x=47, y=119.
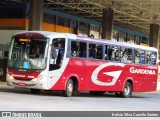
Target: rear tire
x=69, y=88
x=127, y=90
x=35, y=91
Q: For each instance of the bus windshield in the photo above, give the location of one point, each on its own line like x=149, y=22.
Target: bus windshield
x=27, y=53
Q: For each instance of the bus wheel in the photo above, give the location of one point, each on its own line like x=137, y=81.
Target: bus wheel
x=96, y=92
x=35, y=91
x=127, y=90
x=69, y=88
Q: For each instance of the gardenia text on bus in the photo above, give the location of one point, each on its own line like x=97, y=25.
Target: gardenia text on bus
x=142, y=71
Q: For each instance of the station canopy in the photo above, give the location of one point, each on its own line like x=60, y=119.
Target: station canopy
x=132, y=14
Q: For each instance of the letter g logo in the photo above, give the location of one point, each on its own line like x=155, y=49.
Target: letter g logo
x=114, y=74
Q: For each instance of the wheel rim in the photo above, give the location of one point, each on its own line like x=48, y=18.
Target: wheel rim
x=70, y=88
x=126, y=90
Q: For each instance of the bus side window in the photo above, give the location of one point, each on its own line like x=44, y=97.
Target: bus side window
x=142, y=57
x=53, y=52
x=105, y=52
x=109, y=53
x=99, y=51
x=115, y=54
x=136, y=56
x=74, y=49
x=129, y=55
x=92, y=50
x=126, y=55
x=151, y=58
x=57, y=53
x=82, y=49
x=122, y=54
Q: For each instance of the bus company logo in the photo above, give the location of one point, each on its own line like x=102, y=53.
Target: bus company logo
x=15, y=75
x=22, y=76
x=115, y=74
x=142, y=71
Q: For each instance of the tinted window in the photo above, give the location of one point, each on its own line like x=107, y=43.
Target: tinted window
x=126, y=55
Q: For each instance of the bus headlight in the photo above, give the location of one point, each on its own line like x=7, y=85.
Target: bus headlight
x=9, y=77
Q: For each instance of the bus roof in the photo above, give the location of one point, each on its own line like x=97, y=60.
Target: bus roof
x=103, y=41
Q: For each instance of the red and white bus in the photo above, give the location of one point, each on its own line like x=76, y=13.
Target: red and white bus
x=41, y=60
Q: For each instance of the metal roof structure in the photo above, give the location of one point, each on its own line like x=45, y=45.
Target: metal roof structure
x=132, y=14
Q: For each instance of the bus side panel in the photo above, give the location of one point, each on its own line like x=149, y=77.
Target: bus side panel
x=144, y=77
x=75, y=68
x=95, y=72
x=94, y=75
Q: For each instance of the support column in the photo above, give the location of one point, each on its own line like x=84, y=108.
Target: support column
x=107, y=23
x=154, y=35
x=36, y=14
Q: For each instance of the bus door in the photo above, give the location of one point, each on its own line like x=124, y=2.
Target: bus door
x=56, y=60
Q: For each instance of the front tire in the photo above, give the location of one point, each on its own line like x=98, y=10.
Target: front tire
x=127, y=90
x=69, y=88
